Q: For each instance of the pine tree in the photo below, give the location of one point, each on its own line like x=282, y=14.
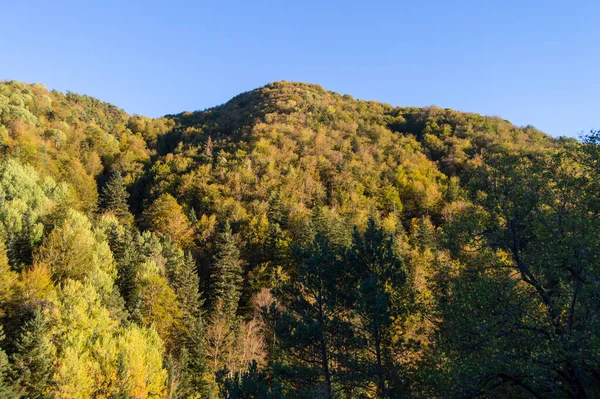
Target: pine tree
x=226, y=276
x=378, y=276
x=311, y=329
x=114, y=198
x=196, y=376
x=127, y=270
x=32, y=362
x=187, y=289
x=6, y=391
x=174, y=258
x=425, y=235
x=253, y=383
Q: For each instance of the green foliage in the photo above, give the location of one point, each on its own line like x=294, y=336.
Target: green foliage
x=311, y=328
x=6, y=390
x=157, y=303
x=197, y=379
x=165, y=216
x=226, y=274
x=378, y=251
x=32, y=363
x=142, y=353
x=73, y=250
x=253, y=384
x=378, y=276
x=186, y=285
x=26, y=202
x=114, y=198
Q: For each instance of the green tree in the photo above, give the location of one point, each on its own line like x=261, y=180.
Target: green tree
x=187, y=289
x=311, y=329
x=114, y=198
x=157, y=303
x=521, y=297
x=378, y=276
x=226, y=274
x=143, y=374
x=6, y=390
x=32, y=363
x=197, y=379
x=74, y=250
x=84, y=335
x=252, y=384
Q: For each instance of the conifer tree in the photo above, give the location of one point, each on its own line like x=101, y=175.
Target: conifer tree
x=254, y=383
x=114, y=198
x=378, y=276
x=187, y=289
x=6, y=391
x=311, y=329
x=196, y=377
x=127, y=277
x=32, y=362
x=226, y=275
x=173, y=256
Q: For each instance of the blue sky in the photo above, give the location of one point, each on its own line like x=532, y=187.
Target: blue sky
x=531, y=62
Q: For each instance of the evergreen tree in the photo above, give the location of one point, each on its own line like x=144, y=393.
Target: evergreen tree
x=173, y=256
x=252, y=384
x=378, y=275
x=196, y=377
x=32, y=362
x=226, y=275
x=6, y=390
x=114, y=198
x=311, y=329
x=127, y=269
x=187, y=289
x=424, y=233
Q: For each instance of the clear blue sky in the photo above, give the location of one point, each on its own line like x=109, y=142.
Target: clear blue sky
x=532, y=62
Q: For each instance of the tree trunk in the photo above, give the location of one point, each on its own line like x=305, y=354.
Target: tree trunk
x=381, y=378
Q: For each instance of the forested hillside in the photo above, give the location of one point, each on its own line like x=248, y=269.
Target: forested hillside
x=293, y=243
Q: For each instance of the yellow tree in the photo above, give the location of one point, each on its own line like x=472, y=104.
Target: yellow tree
x=166, y=217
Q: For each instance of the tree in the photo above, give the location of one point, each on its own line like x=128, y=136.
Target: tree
x=520, y=301
x=226, y=274
x=197, y=379
x=84, y=335
x=114, y=198
x=32, y=363
x=311, y=328
x=74, y=250
x=158, y=305
x=8, y=279
x=208, y=149
x=25, y=202
x=6, y=390
x=252, y=384
x=166, y=217
x=187, y=288
x=141, y=353
x=378, y=276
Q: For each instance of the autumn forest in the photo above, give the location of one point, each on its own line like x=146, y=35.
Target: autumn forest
x=293, y=243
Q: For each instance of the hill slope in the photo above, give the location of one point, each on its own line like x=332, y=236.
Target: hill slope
x=293, y=242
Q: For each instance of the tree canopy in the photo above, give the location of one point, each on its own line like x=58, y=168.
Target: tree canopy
x=293, y=243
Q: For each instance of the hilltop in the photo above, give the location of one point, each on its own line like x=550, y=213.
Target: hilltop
x=292, y=242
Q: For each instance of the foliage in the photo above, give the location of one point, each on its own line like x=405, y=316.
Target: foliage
x=344, y=248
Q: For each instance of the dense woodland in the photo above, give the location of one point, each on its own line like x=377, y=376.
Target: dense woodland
x=293, y=243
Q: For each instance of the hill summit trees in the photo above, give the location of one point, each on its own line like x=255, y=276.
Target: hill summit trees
x=293, y=243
